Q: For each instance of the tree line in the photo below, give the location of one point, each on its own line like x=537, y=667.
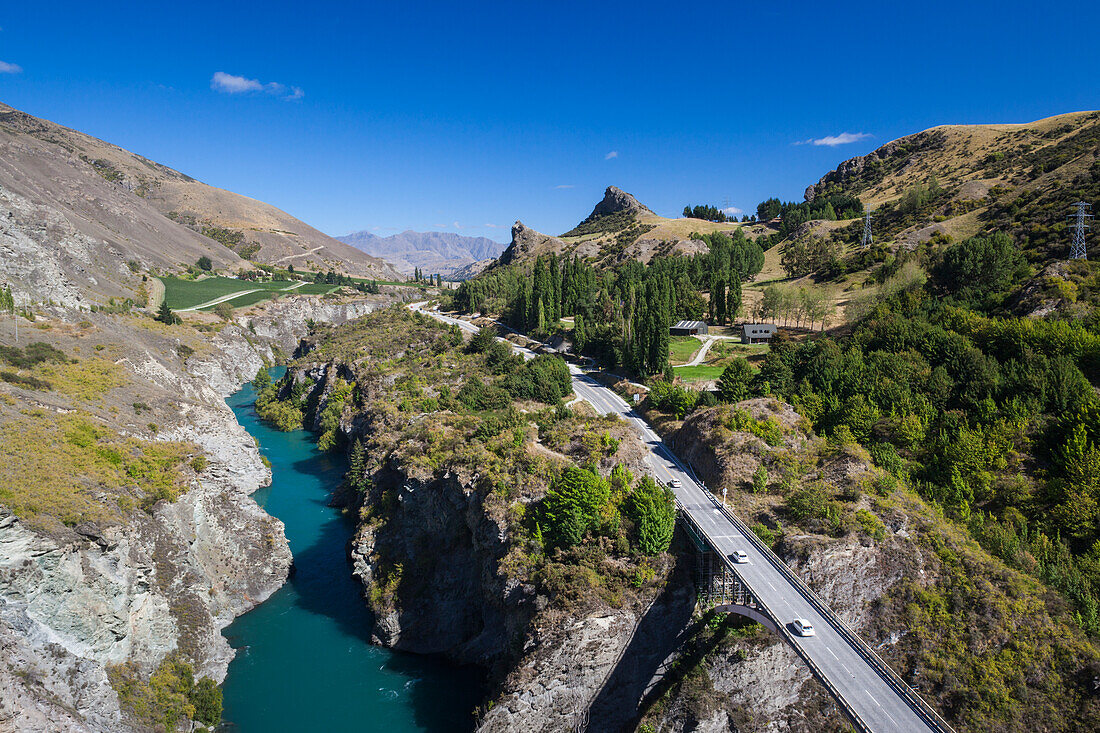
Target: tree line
x=710, y=213
x=621, y=316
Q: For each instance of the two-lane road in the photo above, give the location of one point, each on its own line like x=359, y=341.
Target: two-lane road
x=875, y=701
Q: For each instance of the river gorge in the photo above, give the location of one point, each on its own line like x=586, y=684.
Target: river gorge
x=304, y=654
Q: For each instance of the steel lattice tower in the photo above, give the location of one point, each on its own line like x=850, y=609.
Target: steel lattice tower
x=868, y=238
x=1077, y=246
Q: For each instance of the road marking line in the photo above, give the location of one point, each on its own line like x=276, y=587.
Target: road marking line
x=834, y=655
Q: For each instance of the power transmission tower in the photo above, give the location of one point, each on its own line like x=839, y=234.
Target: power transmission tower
x=1077, y=246
x=868, y=238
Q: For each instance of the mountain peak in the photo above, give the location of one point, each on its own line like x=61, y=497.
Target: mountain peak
x=615, y=200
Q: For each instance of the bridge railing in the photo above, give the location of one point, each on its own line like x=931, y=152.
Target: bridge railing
x=884, y=670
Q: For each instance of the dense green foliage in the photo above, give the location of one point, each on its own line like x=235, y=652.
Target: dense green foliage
x=795, y=214
x=987, y=417
x=736, y=382
x=980, y=268
x=652, y=509
x=572, y=505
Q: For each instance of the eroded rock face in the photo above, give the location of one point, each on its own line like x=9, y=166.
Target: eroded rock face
x=615, y=200
x=76, y=602
x=452, y=600
x=527, y=244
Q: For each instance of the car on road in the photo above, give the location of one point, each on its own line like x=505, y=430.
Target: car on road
x=675, y=483
x=802, y=627
x=738, y=556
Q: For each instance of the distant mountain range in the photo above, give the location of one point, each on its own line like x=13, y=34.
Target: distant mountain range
x=444, y=253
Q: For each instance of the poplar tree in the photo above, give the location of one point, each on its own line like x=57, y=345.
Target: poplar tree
x=718, y=295
x=733, y=299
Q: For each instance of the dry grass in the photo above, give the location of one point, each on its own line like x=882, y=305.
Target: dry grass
x=682, y=228
x=87, y=380
x=70, y=469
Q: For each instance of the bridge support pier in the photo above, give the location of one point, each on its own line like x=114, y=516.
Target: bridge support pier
x=719, y=587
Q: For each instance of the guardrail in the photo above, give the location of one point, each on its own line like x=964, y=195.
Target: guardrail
x=926, y=712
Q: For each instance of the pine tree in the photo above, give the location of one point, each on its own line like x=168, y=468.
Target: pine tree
x=165, y=314
x=357, y=467
x=735, y=384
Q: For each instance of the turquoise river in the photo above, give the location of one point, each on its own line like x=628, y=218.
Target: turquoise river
x=304, y=662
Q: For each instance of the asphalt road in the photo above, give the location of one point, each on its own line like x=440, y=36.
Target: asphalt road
x=877, y=703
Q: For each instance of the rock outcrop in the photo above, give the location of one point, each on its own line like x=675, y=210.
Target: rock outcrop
x=527, y=244
x=616, y=200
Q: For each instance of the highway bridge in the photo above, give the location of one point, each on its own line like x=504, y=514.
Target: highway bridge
x=764, y=588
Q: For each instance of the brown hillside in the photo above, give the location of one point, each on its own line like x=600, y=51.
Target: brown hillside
x=1018, y=178
x=55, y=166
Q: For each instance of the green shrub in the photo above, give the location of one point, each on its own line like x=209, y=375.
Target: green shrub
x=871, y=524
x=735, y=384
x=169, y=697
x=571, y=506
x=652, y=509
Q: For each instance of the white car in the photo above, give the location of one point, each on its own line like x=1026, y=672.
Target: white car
x=738, y=556
x=802, y=627
x=675, y=483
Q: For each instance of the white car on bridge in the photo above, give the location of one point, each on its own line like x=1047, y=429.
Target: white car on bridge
x=802, y=627
x=738, y=556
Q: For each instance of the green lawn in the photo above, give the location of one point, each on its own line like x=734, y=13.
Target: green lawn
x=725, y=349
x=700, y=373
x=682, y=348
x=180, y=293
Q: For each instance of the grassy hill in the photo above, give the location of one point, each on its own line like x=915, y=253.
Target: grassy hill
x=47, y=162
x=956, y=181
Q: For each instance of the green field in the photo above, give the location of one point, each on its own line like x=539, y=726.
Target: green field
x=180, y=293
x=682, y=348
x=700, y=373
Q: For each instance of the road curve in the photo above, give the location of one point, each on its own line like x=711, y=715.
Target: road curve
x=874, y=698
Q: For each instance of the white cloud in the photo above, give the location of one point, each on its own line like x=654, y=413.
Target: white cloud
x=612, y=154
x=832, y=141
x=732, y=211
x=230, y=84
x=233, y=84
x=6, y=68
x=493, y=226
x=565, y=185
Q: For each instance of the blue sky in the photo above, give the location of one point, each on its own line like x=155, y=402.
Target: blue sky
x=468, y=116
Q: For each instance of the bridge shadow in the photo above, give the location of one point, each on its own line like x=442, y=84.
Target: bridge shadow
x=665, y=627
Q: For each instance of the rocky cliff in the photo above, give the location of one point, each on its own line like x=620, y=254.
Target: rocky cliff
x=78, y=601
x=616, y=200
x=527, y=244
